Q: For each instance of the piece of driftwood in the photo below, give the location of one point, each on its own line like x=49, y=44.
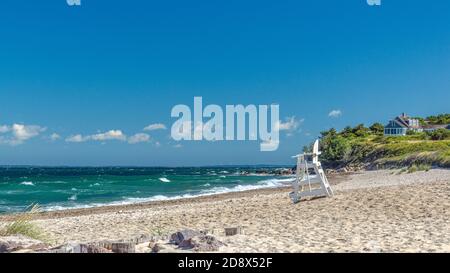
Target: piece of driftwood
x=231, y=231
x=118, y=247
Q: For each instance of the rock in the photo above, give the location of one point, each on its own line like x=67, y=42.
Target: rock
x=20, y=242
x=177, y=237
x=155, y=247
x=203, y=243
x=143, y=238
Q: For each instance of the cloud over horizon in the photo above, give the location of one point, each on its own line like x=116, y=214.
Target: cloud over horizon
x=109, y=135
x=138, y=138
x=19, y=133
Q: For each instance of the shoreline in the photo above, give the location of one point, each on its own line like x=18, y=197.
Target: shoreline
x=71, y=212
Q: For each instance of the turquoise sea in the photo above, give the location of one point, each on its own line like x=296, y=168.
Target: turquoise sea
x=56, y=188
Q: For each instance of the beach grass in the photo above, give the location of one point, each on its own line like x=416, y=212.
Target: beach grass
x=22, y=225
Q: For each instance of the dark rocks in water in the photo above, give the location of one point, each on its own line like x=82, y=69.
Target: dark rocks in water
x=178, y=237
x=20, y=243
x=278, y=171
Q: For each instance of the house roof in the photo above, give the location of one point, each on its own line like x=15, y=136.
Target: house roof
x=402, y=120
x=397, y=124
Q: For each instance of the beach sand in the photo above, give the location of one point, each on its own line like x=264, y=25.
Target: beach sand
x=372, y=211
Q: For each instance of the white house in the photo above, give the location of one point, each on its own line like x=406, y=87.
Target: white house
x=401, y=124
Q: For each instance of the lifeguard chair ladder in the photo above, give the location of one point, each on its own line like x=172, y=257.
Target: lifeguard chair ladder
x=306, y=185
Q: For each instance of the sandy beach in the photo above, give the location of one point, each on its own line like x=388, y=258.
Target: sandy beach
x=372, y=211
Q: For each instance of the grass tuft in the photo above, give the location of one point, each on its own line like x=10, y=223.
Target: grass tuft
x=22, y=225
x=419, y=167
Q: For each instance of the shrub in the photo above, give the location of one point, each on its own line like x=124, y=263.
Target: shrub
x=334, y=148
x=439, y=119
x=440, y=134
x=419, y=167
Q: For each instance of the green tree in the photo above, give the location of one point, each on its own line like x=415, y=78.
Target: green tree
x=347, y=132
x=334, y=147
x=377, y=128
x=332, y=132
x=360, y=130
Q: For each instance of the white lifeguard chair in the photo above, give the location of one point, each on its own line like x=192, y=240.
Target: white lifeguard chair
x=306, y=185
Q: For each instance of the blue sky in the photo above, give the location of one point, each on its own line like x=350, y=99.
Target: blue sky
x=123, y=65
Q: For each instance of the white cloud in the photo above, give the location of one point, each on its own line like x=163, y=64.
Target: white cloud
x=110, y=135
x=24, y=132
x=137, y=138
x=54, y=137
x=177, y=146
x=291, y=124
x=4, y=129
x=156, y=126
x=335, y=113
x=77, y=138
x=19, y=133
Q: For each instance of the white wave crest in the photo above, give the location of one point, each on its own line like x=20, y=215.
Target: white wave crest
x=73, y=198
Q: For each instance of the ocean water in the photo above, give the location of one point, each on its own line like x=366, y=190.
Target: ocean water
x=65, y=188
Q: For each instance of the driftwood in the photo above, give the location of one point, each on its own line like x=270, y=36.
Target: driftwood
x=233, y=231
x=78, y=248
x=118, y=247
